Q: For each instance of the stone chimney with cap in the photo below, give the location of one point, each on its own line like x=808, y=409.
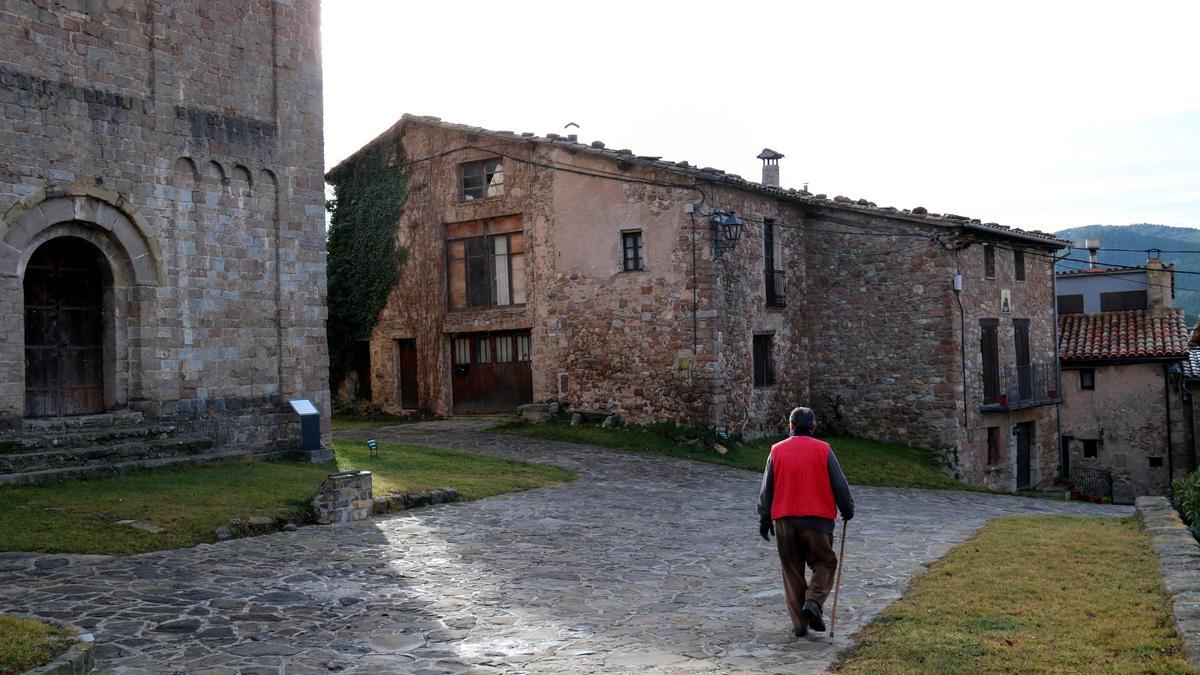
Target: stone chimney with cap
x=1160, y=286
x=770, y=160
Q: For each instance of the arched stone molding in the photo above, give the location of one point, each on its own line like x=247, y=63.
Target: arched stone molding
x=92, y=209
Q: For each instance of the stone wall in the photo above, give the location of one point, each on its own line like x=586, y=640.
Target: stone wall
x=872, y=334
x=343, y=498
x=1127, y=416
x=614, y=340
x=198, y=124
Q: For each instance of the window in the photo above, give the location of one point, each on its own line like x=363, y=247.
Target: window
x=772, y=261
x=523, y=348
x=1118, y=300
x=504, y=349
x=631, y=251
x=1070, y=304
x=764, y=370
x=989, y=261
x=1155, y=462
x=1019, y=265
x=1087, y=378
x=1090, y=446
x=989, y=346
x=486, y=263
x=993, y=446
x=482, y=179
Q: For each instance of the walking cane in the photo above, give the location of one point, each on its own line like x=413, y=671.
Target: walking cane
x=837, y=584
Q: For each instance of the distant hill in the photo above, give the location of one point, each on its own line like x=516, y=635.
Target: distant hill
x=1141, y=238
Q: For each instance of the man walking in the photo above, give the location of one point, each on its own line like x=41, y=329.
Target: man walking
x=803, y=489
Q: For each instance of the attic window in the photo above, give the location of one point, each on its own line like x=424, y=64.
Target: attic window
x=482, y=179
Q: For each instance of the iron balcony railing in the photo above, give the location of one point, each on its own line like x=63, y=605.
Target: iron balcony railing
x=776, y=288
x=1015, y=387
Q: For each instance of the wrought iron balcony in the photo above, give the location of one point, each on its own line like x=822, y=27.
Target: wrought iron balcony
x=1017, y=387
x=776, y=288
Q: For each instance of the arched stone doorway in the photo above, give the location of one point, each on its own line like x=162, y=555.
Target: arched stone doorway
x=67, y=285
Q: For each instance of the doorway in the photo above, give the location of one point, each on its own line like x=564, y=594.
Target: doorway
x=407, y=363
x=1024, y=432
x=65, y=285
x=491, y=371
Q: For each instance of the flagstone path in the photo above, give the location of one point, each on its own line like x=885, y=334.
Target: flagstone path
x=644, y=564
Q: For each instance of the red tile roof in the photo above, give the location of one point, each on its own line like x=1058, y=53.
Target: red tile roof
x=1129, y=334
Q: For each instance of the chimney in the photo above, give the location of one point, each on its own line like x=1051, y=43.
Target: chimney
x=770, y=160
x=1093, y=247
x=1160, y=285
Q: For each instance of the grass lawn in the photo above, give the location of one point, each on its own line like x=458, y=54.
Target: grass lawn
x=26, y=644
x=369, y=421
x=864, y=462
x=1031, y=594
x=81, y=516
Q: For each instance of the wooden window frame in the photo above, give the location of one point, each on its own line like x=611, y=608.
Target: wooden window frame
x=637, y=261
x=490, y=261
x=991, y=394
x=989, y=261
x=482, y=163
x=993, y=446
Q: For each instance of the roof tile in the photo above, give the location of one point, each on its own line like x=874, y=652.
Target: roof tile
x=1128, y=334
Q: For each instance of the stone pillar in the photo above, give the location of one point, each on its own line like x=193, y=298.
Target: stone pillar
x=344, y=497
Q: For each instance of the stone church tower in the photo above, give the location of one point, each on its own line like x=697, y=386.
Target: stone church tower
x=161, y=215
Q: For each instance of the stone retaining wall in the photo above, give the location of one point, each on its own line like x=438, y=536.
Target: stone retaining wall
x=80, y=659
x=1179, y=556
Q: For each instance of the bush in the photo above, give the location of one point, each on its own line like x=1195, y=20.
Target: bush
x=1185, y=492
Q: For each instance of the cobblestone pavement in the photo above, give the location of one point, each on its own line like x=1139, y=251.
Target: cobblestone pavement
x=643, y=564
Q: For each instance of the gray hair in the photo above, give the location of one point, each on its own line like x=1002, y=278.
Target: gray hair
x=803, y=419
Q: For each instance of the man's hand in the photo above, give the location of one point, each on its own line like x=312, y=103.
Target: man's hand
x=766, y=527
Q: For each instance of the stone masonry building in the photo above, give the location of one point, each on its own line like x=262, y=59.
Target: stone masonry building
x=161, y=214
x=542, y=267
x=1126, y=415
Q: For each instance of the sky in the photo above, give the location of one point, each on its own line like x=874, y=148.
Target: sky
x=1042, y=115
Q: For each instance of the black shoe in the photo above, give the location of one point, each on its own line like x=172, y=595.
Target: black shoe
x=800, y=632
x=812, y=612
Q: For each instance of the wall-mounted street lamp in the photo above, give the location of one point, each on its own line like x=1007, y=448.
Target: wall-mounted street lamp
x=726, y=230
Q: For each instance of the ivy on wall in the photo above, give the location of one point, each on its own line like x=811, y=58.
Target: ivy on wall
x=363, y=260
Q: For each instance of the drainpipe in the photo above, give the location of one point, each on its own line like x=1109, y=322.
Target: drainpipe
x=1170, y=448
x=1057, y=368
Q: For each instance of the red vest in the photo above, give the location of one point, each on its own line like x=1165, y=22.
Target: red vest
x=800, y=467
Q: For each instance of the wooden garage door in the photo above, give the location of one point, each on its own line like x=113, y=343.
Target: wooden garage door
x=64, y=329
x=491, y=371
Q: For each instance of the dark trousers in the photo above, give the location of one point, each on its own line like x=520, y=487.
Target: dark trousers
x=799, y=546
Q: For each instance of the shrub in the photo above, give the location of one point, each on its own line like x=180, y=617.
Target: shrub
x=1185, y=492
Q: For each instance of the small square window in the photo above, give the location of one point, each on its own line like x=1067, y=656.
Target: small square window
x=482, y=179
x=1090, y=448
x=631, y=251
x=1019, y=265
x=993, y=445
x=989, y=261
x=1155, y=462
x=1087, y=378
x=764, y=369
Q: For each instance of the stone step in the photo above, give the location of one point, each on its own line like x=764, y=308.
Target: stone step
x=108, y=420
x=96, y=455
x=227, y=455
x=22, y=442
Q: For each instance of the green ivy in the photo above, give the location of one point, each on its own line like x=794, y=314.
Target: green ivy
x=363, y=262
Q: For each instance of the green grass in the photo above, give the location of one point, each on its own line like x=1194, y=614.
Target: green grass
x=1063, y=594
x=369, y=421
x=81, y=516
x=864, y=462
x=26, y=644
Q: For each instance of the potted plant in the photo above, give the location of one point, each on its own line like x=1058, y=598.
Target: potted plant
x=1002, y=400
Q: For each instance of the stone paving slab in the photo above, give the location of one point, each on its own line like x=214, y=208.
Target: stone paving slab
x=644, y=564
